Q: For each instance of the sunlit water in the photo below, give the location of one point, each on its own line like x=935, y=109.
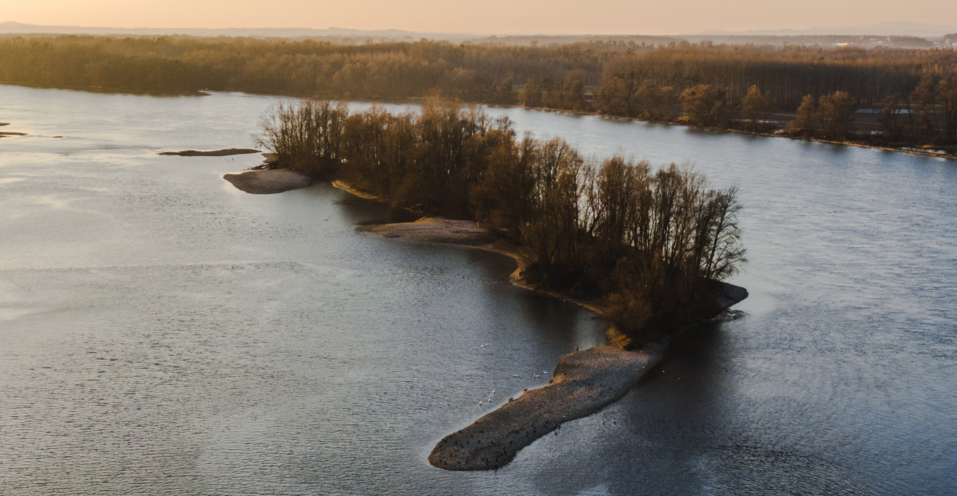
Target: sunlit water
x=164, y=333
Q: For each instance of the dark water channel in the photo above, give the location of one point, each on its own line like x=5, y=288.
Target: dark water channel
x=164, y=333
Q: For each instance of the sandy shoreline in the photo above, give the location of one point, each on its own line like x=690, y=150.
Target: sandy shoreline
x=348, y=188
x=584, y=381
x=470, y=234
x=464, y=233
x=459, y=232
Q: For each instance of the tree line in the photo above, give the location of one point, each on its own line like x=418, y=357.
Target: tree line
x=701, y=84
x=471, y=72
x=646, y=243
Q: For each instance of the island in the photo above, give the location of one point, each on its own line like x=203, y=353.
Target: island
x=646, y=249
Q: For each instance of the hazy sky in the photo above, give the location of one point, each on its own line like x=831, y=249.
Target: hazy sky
x=481, y=16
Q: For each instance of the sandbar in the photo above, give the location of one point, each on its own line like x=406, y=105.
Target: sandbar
x=212, y=153
x=270, y=181
x=584, y=383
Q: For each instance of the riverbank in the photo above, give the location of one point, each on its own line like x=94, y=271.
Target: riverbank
x=464, y=233
x=858, y=144
x=777, y=133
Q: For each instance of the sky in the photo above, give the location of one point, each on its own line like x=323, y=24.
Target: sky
x=481, y=16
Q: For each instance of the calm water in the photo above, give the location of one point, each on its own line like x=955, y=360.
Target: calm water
x=163, y=333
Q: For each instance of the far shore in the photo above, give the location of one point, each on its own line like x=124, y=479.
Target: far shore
x=858, y=144
x=766, y=134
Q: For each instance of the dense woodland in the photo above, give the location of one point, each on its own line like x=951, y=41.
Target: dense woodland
x=646, y=243
x=701, y=84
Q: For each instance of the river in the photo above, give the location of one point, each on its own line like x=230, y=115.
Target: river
x=164, y=333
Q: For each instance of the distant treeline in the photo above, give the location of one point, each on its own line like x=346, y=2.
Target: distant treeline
x=648, y=244
x=470, y=72
x=624, y=79
x=174, y=65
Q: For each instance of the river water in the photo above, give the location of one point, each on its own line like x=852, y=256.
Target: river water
x=164, y=333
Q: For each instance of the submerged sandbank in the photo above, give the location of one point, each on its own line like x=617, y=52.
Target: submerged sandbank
x=270, y=181
x=212, y=153
x=260, y=180
x=435, y=230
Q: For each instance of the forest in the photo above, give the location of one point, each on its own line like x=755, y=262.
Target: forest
x=914, y=91
x=647, y=244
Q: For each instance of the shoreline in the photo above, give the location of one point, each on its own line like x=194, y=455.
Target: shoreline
x=764, y=134
x=398, y=230
x=115, y=91
x=417, y=100
x=584, y=382
x=832, y=142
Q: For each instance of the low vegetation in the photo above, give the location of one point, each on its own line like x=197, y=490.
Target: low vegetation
x=646, y=244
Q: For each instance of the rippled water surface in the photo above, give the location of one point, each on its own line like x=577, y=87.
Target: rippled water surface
x=164, y=333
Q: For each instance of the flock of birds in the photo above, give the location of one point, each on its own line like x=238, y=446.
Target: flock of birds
x=515, y=376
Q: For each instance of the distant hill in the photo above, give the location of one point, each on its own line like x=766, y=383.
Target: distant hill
x=888, y=34
x=386, y=34
x=724, y=39
x=902, y=28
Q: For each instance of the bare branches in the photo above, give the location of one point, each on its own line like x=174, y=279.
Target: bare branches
x=306, y=137
x=648, y=244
